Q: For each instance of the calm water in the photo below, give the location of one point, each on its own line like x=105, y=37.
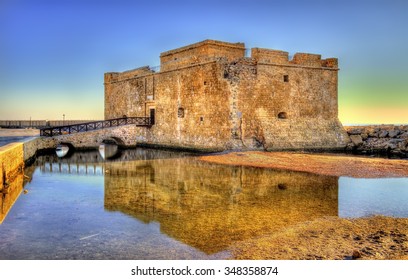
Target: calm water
x=150, y=204
x=4, y=140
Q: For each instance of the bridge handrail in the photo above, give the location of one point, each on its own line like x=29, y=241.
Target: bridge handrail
x=89, y=126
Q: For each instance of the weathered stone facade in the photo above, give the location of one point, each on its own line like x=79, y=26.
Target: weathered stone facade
x=211, y=96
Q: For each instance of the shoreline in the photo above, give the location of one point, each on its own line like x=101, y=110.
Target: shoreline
x=318, y=163
x=372, y=238
x=328, y=238
x=331, y=238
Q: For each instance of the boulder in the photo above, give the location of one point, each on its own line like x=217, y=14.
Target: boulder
x=373, y=134
x=404, y=135
x=355, y=131
x=356, y=139
x=393, y=133
x=356, y=254
x=383, y=134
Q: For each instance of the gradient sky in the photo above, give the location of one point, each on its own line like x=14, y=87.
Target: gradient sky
x=53, y=54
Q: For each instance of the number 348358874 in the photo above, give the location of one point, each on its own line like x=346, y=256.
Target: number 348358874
x=251, y=270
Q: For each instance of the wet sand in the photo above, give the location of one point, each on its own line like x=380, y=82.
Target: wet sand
x=323, y=164
x=332, y=238
x=372, y=238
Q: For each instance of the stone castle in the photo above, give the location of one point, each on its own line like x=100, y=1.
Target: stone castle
x=211, y=96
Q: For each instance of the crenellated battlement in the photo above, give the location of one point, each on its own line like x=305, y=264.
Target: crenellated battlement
x=200, y=52
x=211, y=50
x=269, y=56
x=112, y=77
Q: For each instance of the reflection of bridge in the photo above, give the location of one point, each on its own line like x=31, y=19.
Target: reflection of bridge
x=95, y=169
x=138, y=154
x=73, y=168
x=92, y=163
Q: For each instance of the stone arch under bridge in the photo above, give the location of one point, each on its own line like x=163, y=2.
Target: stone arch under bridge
x=125, y=136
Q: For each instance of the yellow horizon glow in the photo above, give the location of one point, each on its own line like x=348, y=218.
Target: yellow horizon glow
x=372, y=115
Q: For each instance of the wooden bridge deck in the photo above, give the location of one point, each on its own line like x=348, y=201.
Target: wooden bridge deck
x=89, y=126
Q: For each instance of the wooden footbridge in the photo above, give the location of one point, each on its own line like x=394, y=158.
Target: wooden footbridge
x=95, y=125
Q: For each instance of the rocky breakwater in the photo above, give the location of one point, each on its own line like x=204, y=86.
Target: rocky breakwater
x=389, y=140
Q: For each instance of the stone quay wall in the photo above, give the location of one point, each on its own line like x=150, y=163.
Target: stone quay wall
x=11, y=163
x=379, y=139
x=14, y=156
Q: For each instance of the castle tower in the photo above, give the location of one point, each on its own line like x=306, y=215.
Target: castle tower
x=210, y=96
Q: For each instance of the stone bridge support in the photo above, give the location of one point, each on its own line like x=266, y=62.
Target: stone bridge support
x=125, y=136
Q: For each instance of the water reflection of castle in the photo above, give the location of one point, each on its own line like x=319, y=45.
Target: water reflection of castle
x=210, y=206
x=206, y=206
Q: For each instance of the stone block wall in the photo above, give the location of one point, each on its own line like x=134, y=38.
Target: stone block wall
x=224, y=100
x=11, y=163
x=200, y=52
x=307, y=59
x=270, y=56
x=122, y=135
x=283, y=107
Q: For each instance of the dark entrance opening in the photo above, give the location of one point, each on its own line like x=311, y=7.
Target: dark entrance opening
x=152, y=116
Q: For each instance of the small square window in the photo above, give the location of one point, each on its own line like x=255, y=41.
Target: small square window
x=286, y=78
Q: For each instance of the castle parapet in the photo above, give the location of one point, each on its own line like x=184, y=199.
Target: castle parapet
x=201, y=52
x=270, y=56
x=282, y=58
x=112, y=77
x=330, y=63
x=307, y=59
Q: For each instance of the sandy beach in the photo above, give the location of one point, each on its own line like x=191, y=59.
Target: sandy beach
x=332, y=238
x=370, y=238
x=323, y=164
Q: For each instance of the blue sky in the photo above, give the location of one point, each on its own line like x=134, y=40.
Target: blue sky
x=53, y=54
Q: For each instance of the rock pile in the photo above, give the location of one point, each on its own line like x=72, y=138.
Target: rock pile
x=381, y=139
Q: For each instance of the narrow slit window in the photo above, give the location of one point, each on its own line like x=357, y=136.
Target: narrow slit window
x=180, y=112
x=286, y=78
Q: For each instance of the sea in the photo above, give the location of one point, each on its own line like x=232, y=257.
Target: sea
x=10, y=139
